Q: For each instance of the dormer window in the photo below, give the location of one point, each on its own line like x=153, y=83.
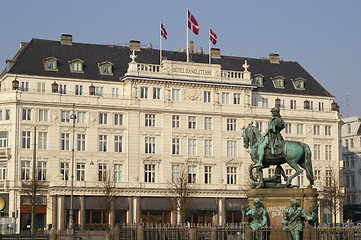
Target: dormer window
x=51, y=64
x=279, y=82
x=76, y=66
x=299, y=83
x=106, y=68
x=258, y=80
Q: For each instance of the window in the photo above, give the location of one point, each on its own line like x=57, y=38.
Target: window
x=106, y=68
x=192, y=146
x=231, y=124
x=118, y=144
x=348, y=128
x=259, y=126
x=76, y=66
x=279, y=82
x=3, y=170
x=231, y=175
x=149, y=120
x=149, y=173
x=143, y=92
x=316, y=129
x=264, y=102
x=41, y=87
x=207, y=174
x=346, y=143
x=25, y=170
x=300, y=179
x=299, y=129
x=328, y=130
x=103, y=118
x=225, y=98
x=118, y=172
x=156, y=93
x=80, y=142
x=115, y=92
x=328, y=177
x=149, y=144
x=351, y=143
x=118, y=119
x=24, y=86
x=102, y=172
x=299, y=83
x=207, y=123
x=317, y=175
x=80, y=171
x=62, y=88
x=231, y=148
x=236, y=98
x=175, y=121
x=99, y=91
x=65, y=116
x=293, y=104
x=192, y=174
x=317, y=152
x=288, y=128
x=42, y=115
x=175, y=172
x=328, y=152
x=50, y=64
x=26, y=114
x=208, y=147
x=4, y=139
x=81, y=117
x=42, y=140
x=7, y=114
x=103, y=143
x=175, y=95
x=78, y=89
x=192, y=122
x=65, y=141
x=207, y=96
x=64, y=170
x=42, y=170
x=25, y=140
x=320, y=106
x=352, y=161
x=258, y=79
x=175, y=146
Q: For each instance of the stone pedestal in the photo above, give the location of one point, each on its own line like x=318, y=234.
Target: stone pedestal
x=276, y=200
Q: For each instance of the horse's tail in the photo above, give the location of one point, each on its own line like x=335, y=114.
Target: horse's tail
x=308, y=163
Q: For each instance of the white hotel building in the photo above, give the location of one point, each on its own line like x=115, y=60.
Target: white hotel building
x=143, y=120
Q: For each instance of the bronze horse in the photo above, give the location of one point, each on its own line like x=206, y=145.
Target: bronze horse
x=296, y=154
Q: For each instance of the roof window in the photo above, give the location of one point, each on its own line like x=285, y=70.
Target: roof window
x=76, y=66
x=299, y=83
x=258, y=79
x=105, y=68
x=50, y=64
x=278, y=82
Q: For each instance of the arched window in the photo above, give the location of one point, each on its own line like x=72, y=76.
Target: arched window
x=76, y=66
x=50, y=64
x=299, y=83
x=258, y=79
x=106, y=68
x=279, y=82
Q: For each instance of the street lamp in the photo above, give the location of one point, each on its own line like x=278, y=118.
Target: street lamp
x=71, y=210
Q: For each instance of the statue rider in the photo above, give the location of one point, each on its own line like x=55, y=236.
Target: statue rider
x=274, y=137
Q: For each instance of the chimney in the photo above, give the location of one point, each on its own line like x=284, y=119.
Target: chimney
x=191, y=47
x=23, y=44
x=66, y=39
x=9, y=64
x=215, y=53
x=274, y=58
x=134, y=45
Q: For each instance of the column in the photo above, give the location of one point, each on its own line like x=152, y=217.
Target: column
x=221, y=211
x=82, y=212
x=136, y=209
x=130, y=211
x=54, y=212
x=112, y=214
x=61, y=212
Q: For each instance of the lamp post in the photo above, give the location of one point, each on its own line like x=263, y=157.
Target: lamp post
x=71, y=210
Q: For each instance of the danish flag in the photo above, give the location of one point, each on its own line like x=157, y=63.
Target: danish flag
x=163, y=32
x=212, y=37
x=193, y=24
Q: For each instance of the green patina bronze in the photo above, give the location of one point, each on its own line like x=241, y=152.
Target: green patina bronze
x=294, y=218
x=272, y=149
x=257, y=217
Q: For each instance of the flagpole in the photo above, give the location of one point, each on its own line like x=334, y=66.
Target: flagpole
x=187, y=35
x=209, y=45
x=160, y=43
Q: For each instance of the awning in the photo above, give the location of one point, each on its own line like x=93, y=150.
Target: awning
x=235, y=204
x=93, y=202
x=121, y=203
x=156, y=203
x=202, y=204
x=76, y=202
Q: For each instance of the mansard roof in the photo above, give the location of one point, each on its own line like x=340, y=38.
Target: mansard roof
x=29, y=61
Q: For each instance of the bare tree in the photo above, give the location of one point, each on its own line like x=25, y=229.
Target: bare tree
x=333, y=192
x=181, y=189
x=109, y=192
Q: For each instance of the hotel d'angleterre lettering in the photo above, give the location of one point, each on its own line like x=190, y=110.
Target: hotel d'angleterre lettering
x=195, y=71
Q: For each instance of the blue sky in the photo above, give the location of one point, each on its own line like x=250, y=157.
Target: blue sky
x=324, y=36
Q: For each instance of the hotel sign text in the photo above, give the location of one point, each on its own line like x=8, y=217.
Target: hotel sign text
x=192, y=71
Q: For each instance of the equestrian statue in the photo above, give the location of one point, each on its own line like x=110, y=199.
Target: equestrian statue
x=271, y=149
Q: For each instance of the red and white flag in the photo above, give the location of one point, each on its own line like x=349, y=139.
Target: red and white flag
x=193, y=24
x=163, y=32
x=212, y=37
